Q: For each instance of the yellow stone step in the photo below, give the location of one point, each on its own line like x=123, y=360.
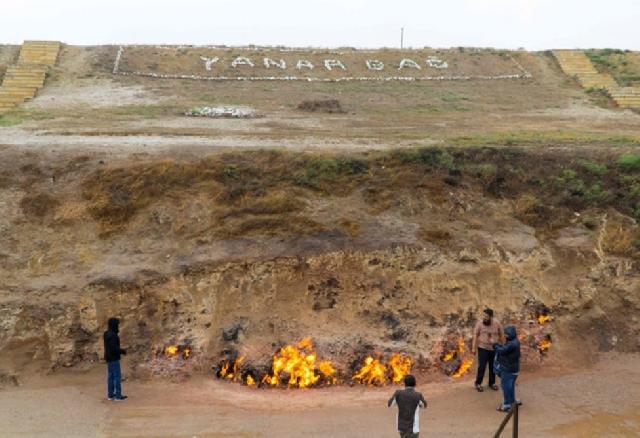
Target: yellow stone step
x=18, y=82
x=26, y=92
x=27, y=66
x=5, y=89
x=25, y=73
x=12, y=101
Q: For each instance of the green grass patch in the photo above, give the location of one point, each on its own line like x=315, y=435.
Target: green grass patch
x=6, y=121
x=629, y=162
x=593, y=167
x=450, y=96
x=430, y=156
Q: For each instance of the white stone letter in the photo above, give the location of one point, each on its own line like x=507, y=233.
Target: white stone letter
x=374, y=64
x=409, y=63
x=241, y=60
x=208, y=62
x=435, y=62
x=268, y=63
x=303, y=63
x=330, y=63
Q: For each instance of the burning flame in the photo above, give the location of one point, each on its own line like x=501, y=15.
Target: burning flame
x=229, y=371
x=299, y=367
x=465, y=363
x=544, y=345
x=372, y=372
x=400, y=367
x=463, y=368
x=299, y=363
x=542, y=319
x=328, y=371
x=174, y=350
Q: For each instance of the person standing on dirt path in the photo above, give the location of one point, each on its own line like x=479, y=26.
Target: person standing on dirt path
x=112, y=353
x=487, y=332
x=408, y=401
x=508, y=367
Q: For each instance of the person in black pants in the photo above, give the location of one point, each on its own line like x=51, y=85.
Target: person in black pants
x=112, y=352
x=485, y=334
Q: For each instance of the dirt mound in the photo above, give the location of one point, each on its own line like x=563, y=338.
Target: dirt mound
x=321, y=106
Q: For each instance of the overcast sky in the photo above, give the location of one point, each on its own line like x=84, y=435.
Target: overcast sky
x=533, y=24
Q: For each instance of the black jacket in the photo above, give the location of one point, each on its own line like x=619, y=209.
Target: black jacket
x=112, y=350
x=508, y=355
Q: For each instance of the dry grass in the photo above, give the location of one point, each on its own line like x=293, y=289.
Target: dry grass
x=38, y=204
x=434, y=235
x=350, y=226
x=265, y=190
x=621, y=237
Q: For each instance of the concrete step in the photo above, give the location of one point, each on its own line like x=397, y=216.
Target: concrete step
x=46, y=60
x=26, y=77
x=29, y=69
x=16, y=81
x=12, y=101
x=6, y=91
x=25, y=73
x=24, y=92
x=22, y=84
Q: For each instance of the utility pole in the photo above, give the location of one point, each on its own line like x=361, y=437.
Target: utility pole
x=401, y=38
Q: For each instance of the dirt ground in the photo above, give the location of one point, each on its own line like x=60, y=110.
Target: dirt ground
x=602, y=400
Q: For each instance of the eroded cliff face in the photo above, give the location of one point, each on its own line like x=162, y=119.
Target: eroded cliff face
x=378, y=271
x=408, y=298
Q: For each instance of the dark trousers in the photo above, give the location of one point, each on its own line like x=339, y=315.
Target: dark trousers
x=409, y=435
x=485, y=357
x=508, y=383
x=114, y=377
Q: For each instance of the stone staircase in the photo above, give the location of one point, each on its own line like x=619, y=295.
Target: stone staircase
x=576, y=64
x=22, y=80
x=626, y=97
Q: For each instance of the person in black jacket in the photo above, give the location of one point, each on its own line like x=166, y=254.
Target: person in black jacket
x=112, y=352
x=508, y=366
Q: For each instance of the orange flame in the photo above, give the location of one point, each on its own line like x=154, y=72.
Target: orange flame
x=299, y=363
x=229, y=372
x=400, y=367
x=463, y=368
x=174, y=350
x=328, y=371
x=544, y=345
x=542, y=319
x=465, y=363
x=372, y=372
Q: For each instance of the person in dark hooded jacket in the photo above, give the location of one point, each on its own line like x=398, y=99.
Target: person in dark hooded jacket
x=112, y=353
x=508, y=366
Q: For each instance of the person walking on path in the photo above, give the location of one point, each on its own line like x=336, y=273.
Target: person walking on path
x=486, y=333
x=508, y=367
x=408, y=401
x=112, y=353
